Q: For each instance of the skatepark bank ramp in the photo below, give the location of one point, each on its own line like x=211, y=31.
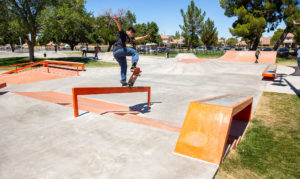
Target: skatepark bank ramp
x=249, y=56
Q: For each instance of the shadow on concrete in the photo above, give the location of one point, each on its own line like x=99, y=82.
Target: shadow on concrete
x=297, y=91
x=142, y=108
x=278, y=81
x=3, y=93
x=296, y=72
x=83, y=113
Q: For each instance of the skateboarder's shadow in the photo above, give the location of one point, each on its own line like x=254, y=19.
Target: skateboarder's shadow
x=142, y=108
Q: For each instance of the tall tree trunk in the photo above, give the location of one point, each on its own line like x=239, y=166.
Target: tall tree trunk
x=282, y=37
x=12, y=46
x=256, y=42
x=31, y=51
x=109, y=46
x=72, y=46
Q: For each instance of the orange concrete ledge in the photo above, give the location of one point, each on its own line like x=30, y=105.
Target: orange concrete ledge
x=2, y=85
x=212, y=126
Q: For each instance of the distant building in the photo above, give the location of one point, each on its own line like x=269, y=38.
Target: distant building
x=222, y=42
x=168, y=40
x=242, y=44
x=289, y=40
x=265, y=41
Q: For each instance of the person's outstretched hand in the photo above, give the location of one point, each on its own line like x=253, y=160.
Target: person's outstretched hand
x=147, y=36
x=115, y=18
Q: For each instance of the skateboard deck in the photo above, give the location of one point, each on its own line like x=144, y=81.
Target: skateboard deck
x=134, y=76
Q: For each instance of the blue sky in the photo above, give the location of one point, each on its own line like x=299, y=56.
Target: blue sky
x=166, y=13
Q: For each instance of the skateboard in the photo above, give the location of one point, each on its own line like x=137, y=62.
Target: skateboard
x=135, y=74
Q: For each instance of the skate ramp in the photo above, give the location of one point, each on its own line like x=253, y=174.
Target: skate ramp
x=180, y=56
x=249, y=56
x=212, y=126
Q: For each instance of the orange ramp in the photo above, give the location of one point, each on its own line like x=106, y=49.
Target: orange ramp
x=194, y=60
x=249, y=56
x=212, y=126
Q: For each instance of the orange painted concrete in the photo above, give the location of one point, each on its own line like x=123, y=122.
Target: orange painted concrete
x=2, y=85
x=30, y=76
x=108, y=109
x=205, y=132
x=249, y=56
x=85, y=104
x=196, y=60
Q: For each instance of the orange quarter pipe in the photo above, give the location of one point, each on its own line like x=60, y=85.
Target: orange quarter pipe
x=249, y=56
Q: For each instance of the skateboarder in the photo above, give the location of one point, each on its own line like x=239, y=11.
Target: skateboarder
x=257, y=55
x=120, y=50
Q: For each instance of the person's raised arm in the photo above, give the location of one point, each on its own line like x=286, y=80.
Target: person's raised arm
x=141, y=38
x=118, y=23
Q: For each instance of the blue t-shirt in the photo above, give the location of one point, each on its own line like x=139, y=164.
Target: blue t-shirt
x=122, y=40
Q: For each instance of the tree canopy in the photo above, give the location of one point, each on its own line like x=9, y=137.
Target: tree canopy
x=256, y=17
x=193, y=20
x=209, y=34
x=68, y=22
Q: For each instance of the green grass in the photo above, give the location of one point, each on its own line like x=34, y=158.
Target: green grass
x=286, y=61
x=173, y=54
x=86, y=61
x=209, y=54
x=271, y=147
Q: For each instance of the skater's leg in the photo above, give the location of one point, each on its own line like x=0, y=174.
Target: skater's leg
x=135, y=57
x=120, y=56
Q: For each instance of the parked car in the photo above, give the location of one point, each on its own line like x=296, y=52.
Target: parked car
x=283, y=52
x=153, y=50
x=212, y=48
x=227, y=48
x=267, y=49
x=200, y=48
x=161, y=50
x=239, y=49
x=143, y=49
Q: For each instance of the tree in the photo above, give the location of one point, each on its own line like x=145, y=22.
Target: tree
x=177, y=35
x=277, y=34
x=152, y=30
x=209, y=34
x=27, y=14
x=192, y=24
x=253, y=18
x=68, y=22
x=289, y=12
x=107, y=26
x=232, y=41
x=140, y=30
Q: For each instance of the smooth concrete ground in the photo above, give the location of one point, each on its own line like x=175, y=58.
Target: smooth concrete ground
x=44, y=140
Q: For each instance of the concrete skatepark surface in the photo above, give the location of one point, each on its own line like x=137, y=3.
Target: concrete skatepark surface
x=43, y=140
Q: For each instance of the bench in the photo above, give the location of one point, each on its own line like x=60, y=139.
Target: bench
x=270, y=71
